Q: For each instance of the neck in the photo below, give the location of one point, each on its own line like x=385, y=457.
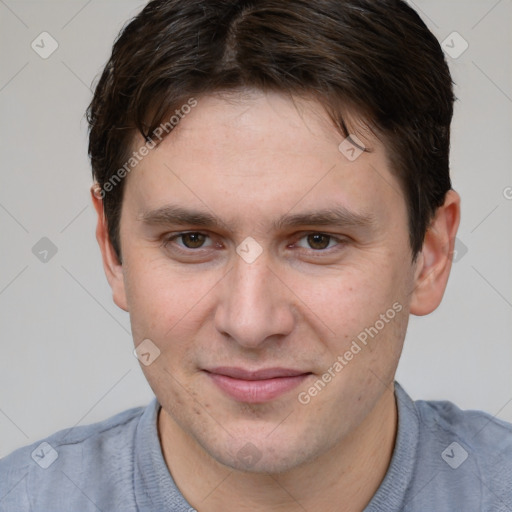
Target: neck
x=344, y=479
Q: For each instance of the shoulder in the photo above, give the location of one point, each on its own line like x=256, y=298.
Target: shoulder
x=465, y=454
x=487, y=439
x=478, y=426
x=78, y=462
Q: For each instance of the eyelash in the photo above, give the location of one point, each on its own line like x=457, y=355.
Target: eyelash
x=316, y=252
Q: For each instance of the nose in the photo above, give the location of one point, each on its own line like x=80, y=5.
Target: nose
x=255, y=305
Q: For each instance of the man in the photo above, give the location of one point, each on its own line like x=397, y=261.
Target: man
x=273, y=199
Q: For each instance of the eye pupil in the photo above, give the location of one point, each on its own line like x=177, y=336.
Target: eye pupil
x=318, y=241
x=193, y=240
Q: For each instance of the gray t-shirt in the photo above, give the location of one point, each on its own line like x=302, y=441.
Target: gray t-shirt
x=444, y=459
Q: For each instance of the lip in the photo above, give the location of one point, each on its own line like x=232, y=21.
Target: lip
x=256, y=386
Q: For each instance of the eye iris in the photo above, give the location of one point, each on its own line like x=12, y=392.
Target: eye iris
x=193, y=240
x=318, y=241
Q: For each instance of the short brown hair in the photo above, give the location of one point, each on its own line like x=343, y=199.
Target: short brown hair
x=374, y=56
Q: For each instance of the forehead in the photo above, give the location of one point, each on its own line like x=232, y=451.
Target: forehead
x=263, y=153
x=260, y=121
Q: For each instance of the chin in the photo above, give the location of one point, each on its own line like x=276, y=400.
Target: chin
x=257, y=453
x=269, y=463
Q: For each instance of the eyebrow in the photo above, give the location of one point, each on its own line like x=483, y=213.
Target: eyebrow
x=338, y=215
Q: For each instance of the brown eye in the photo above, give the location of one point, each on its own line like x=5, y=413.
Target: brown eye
x=318, y=241
x=193, y=240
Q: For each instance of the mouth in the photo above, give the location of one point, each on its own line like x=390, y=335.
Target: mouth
x=256, y=386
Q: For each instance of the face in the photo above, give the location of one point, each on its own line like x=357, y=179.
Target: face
x=272, y=273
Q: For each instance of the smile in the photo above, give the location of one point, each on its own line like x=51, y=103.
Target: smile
x=256, y=386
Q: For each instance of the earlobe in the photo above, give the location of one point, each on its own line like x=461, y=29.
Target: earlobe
x=434, y=262
x=111, y=264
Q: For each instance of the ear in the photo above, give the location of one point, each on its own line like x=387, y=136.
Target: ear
x=111, y=264
x=435, y=260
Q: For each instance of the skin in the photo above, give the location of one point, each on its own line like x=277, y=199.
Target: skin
x=250, y=159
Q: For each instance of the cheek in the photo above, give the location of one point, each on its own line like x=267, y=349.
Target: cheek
x=167, y=308
x=160, y=299
x=350, y=297
x=363, y=312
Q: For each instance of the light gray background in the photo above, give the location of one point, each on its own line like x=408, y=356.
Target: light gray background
x=66, y=349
